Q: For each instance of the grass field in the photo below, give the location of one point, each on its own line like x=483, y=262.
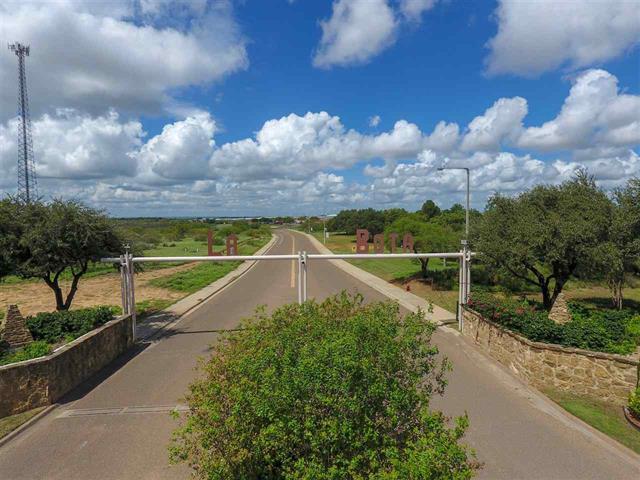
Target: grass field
x=192, y=280
x=10, y=423
x=400, y=271
x=408, y=272
x=156, y=288
x=607, y=418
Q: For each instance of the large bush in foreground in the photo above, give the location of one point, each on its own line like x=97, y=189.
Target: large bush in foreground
x=323, y=391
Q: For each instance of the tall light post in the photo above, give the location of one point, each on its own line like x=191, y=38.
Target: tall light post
x=465, y=266
x=466, y=227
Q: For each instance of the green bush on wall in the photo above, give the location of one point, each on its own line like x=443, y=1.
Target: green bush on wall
x=67, y=324
x=35, y=349
x=601, y=330
x=323, y=391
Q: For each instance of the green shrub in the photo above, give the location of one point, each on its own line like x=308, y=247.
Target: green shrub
x=634, y=403
x=601, y=330
x=323, y=391
x=67, y=324
x=32, y=350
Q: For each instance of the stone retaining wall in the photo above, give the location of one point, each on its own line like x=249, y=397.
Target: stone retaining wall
x=602, y=376
x=42, y=381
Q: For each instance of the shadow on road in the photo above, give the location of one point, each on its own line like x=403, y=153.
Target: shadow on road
x=103, y=374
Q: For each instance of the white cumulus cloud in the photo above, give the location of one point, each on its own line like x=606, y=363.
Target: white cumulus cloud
x=90, y=57
x=541, y=35
x=356, y=32
x=593, y=114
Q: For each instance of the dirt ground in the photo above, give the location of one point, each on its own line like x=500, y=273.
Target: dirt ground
x=34, y=297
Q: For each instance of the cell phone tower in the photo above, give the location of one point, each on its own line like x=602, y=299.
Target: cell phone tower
x=27, y=185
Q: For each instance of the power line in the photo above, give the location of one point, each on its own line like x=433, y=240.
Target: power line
x=27, y=184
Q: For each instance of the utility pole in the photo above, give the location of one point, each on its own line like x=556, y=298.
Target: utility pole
x=27, y=185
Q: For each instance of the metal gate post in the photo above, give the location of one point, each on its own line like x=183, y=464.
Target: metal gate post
x=300, y=278
x=468, y=276
x=132, y=294
x=460, y=288
x=124, y=292
x=305, y=263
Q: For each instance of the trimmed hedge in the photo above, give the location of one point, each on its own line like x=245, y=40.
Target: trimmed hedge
x=601, y=330
x=323, y=391
x=32, y=350
x=53, y=327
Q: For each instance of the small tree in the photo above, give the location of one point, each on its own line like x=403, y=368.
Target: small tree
x=430, y=209
x=10, y=231
x=619, y=254
x=49, y=239
x=545, y=235
x=427, y=237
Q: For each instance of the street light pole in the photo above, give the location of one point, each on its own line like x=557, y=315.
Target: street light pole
x=466, y=226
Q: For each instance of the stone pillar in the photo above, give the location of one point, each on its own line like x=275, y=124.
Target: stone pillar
x=14, y=331
x=560, y=311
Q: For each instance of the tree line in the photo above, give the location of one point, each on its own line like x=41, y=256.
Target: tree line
x=541, y=237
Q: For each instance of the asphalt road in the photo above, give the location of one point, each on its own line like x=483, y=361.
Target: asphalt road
x=117, y=426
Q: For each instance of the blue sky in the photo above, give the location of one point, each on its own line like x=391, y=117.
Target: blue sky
x=266, y=107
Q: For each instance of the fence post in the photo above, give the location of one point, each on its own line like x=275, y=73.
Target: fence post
x=124, y=293
x=132, y=294
x=468, y=276
x=305, y=262
x=460, y=288
x=300, y=278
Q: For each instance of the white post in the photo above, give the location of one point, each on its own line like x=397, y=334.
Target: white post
x=124, y=291
x=468, y=276
x=305, y=262
x=460, y=290
x=132, y=294
x=300, y=278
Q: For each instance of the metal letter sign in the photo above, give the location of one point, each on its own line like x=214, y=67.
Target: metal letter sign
x=362, y=237
x=232, y=245
x=394, y=241
x=407, y=243
x=378, y=243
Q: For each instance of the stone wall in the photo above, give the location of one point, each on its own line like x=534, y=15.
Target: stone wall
x=42, y=381
x=602, y=376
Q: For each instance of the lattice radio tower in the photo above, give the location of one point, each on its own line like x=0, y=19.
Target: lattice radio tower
x=27, y=185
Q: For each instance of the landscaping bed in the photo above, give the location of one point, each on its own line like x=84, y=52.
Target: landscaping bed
x=53, y=329
x=590, y=328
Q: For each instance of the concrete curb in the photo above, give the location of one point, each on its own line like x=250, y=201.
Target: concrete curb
x=17, y=431
x=408, y=300
x=191, y=302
